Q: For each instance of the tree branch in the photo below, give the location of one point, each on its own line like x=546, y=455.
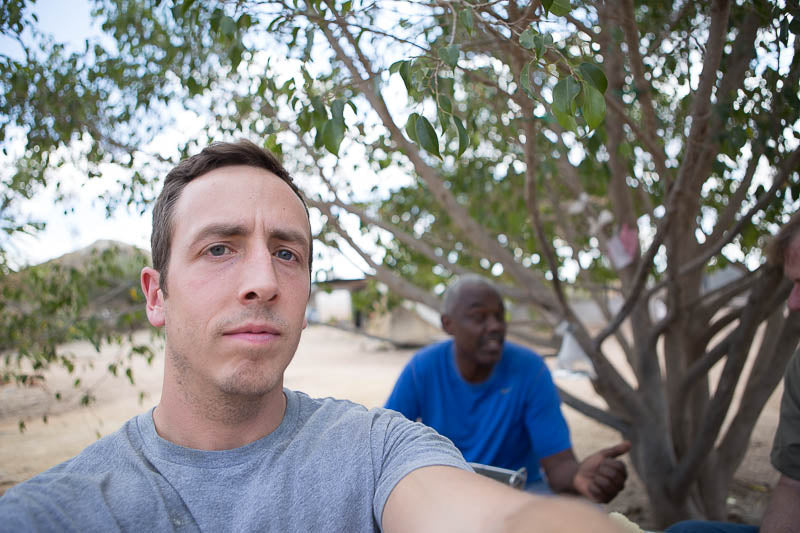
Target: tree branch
x=780, y=342
x=531, y=201
x=696, y=160
x=759, y=305
x=595, y=413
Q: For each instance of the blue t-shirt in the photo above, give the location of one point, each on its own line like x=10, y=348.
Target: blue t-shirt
x=510, y=420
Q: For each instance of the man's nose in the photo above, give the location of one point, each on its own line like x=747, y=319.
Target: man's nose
x=259, y=281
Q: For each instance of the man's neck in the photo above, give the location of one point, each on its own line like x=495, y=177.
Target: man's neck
x=216, y=421
x=472, y=372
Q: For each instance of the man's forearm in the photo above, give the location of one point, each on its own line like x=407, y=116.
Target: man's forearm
x=560, y=469
x=783, y=511
x=440, y=498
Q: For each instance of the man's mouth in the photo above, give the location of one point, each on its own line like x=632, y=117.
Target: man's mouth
x=493, y=343
x=257, y=333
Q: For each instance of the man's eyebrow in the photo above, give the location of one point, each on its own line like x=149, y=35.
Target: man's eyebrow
x=290, y=235
x=220, y=230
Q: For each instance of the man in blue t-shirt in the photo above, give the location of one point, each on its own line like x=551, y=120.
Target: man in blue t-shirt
x=497, y=402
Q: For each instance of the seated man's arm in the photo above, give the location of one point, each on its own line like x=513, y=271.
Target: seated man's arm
x=441, y=498
x=783, y=511
x=599, y=477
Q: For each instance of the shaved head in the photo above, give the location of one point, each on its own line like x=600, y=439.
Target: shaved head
x=451, y=295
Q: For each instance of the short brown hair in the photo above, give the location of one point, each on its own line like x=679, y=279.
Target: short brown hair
x=776, y=248
x=212, y=157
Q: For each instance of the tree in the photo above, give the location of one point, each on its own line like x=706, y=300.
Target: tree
x=536, y=139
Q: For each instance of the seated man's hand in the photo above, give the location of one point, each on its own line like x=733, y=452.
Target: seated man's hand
x=601, y=476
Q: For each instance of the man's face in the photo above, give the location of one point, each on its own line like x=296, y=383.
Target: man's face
x=238, y=282
x=791, y=269
x=478, y=325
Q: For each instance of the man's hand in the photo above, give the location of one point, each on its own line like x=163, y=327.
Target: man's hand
x=601, y=476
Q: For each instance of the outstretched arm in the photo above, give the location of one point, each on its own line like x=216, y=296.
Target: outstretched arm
x=783, y=511
x=599, y=477
x=442, y=498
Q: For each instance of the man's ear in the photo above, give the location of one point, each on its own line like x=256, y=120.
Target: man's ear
x=151, y=288
x=447, y=324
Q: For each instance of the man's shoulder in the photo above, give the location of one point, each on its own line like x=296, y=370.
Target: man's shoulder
x=106, y=454
x=324, y=414
x=74, y=488
x=433, y=351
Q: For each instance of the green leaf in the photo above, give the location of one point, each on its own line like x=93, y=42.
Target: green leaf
x=193, y=86
x=525, y=81
x=594, y=106
x=274, y=23
x=235, y=54
x=333, y=134
x=444, y=121
x=449, y=54
x=244, y=21
x=564, y=94
x=337, y=109
x=216, y=16
x=566, y=120
x=538, y=45
x=463, y=140
x=227, y=26
x=528, y=38
x=465, y=19
x=411, y=127
x=396, y=66
x=546, y=4
x=304, y=121
x=444, y=104
x=560, y=8
x=404, y=70
x=185, y=5
x=319, y=140
x=445, y=85
x=426, y=137
x=594, y=75
x=319, y=114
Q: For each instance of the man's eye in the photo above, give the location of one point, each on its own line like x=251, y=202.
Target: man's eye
x=218, y=250
x=285, y=255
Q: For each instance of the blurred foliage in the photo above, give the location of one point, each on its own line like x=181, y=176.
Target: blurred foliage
x=91, y=295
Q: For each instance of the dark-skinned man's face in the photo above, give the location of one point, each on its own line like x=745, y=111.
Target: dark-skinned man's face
x=477, y=324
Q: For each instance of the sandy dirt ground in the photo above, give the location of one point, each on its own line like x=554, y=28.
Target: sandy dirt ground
x=329, y=362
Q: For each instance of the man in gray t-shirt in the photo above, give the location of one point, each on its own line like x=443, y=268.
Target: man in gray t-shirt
x=227, y=448
x=329, y=466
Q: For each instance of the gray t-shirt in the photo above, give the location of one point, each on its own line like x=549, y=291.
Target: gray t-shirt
x=329, y=466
